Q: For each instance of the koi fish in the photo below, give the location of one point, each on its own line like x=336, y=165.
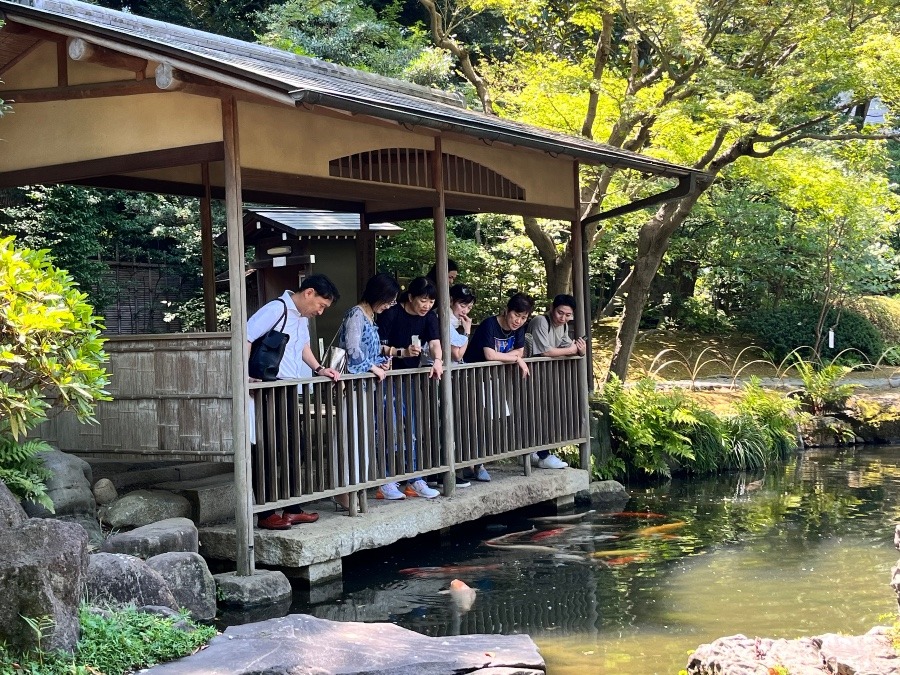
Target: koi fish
x=634, y=514
x=461, y=594
x=495, y=541
x=613, y=553
x=447, y=570
x=625, y=560
x=660, y=529
x=547, y=534
x=575, y=517
x=524, y=547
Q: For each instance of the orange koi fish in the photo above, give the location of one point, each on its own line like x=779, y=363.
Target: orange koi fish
x=660, y=529
x=547, y=534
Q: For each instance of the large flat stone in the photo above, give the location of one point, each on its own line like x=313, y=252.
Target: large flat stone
x=299, y=644
x=337, y=535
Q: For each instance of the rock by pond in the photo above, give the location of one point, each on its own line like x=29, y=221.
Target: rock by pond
x=299, y=643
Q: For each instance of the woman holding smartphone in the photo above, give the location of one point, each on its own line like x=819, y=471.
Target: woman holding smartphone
x=405, y=329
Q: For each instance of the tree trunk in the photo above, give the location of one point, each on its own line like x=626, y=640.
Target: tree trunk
x=557, y=265
x=653, y=240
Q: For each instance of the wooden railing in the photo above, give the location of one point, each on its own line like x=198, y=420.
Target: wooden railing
x=317, y=438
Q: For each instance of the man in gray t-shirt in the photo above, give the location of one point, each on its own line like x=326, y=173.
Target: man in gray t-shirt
x=548, y=335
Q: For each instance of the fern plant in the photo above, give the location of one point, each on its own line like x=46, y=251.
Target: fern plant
x=821, y=384
x=23, y=471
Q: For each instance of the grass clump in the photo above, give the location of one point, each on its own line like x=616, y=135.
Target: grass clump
x=113, y=642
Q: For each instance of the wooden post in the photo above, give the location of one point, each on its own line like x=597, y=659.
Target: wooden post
x=239, y=376
x=365, y=255
x=448, y=443
x=582, y=322
x=206, y=243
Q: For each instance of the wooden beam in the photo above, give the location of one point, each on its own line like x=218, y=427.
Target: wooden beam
x=481, y=204
x=62, y=66
x=80, y=49
x=82, y=91
x=140, y=161
x=336, y=188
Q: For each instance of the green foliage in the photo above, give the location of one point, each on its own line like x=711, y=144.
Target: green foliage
x=791, y=326
x=90, y=231
x=351, y=33
x=23, y=472
x=658, y=432
x=884, y=313
x=651, y=427
x=51, y=351
x=822, y=390
x=112, y=642
x=477, y=244
x=699, y=316
x=778, y=416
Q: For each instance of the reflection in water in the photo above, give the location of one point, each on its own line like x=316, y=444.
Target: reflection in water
x=805, y=549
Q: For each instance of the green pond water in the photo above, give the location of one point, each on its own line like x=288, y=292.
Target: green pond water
x=805, y=549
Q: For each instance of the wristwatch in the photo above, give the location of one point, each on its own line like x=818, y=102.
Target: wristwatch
x=318, y=369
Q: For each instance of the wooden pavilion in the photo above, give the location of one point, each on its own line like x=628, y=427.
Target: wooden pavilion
x=113, y=100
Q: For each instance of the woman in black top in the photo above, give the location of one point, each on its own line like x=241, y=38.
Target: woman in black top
x=412, y=317
x=398, y=326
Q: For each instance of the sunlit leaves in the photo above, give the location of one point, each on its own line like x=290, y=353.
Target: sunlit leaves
x=50, y=345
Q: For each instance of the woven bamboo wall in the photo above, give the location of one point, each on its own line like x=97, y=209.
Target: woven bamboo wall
x=171, y=400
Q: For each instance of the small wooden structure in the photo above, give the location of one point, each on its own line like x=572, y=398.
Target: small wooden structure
x=292, y=243
x=114, y=100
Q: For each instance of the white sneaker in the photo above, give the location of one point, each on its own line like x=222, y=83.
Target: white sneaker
x=535, y=459
x=418, y=488
x=551, y=462
x=389, y=491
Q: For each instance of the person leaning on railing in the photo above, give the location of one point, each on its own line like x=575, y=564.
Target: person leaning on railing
x=315, y=295
x=501, y=338
x=406, y=329
x=462, y=300
x=359, y=336
x=548, y=335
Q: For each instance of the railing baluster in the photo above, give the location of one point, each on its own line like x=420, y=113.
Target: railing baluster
x=258, y=457
x=271, y=447
x=293, y=424
x=306, y=447
x=283, y=466
x=318, y=450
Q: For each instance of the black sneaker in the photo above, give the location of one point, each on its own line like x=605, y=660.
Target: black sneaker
x=462, y=482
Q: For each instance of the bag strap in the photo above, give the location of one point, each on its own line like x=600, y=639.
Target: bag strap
x=340, y=328
x=282, y=318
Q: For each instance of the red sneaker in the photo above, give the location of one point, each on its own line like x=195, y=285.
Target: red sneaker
x=274, y=522
x=302, y=517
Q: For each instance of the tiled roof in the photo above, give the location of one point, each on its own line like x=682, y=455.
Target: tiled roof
x=316, y=82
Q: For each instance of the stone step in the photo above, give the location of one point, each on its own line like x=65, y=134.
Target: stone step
x=212, y=498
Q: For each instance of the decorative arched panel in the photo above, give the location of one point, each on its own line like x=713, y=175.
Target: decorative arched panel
x=412, y=166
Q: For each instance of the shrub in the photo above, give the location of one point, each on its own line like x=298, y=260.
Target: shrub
x=792, y=326
x=884, y=313
x=658, y=432
x=51, y=351
x=698, y=315
x=112, y=642
x=822, y=390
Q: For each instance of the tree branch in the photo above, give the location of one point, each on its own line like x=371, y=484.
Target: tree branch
x=443, y=39
x=601, y=59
